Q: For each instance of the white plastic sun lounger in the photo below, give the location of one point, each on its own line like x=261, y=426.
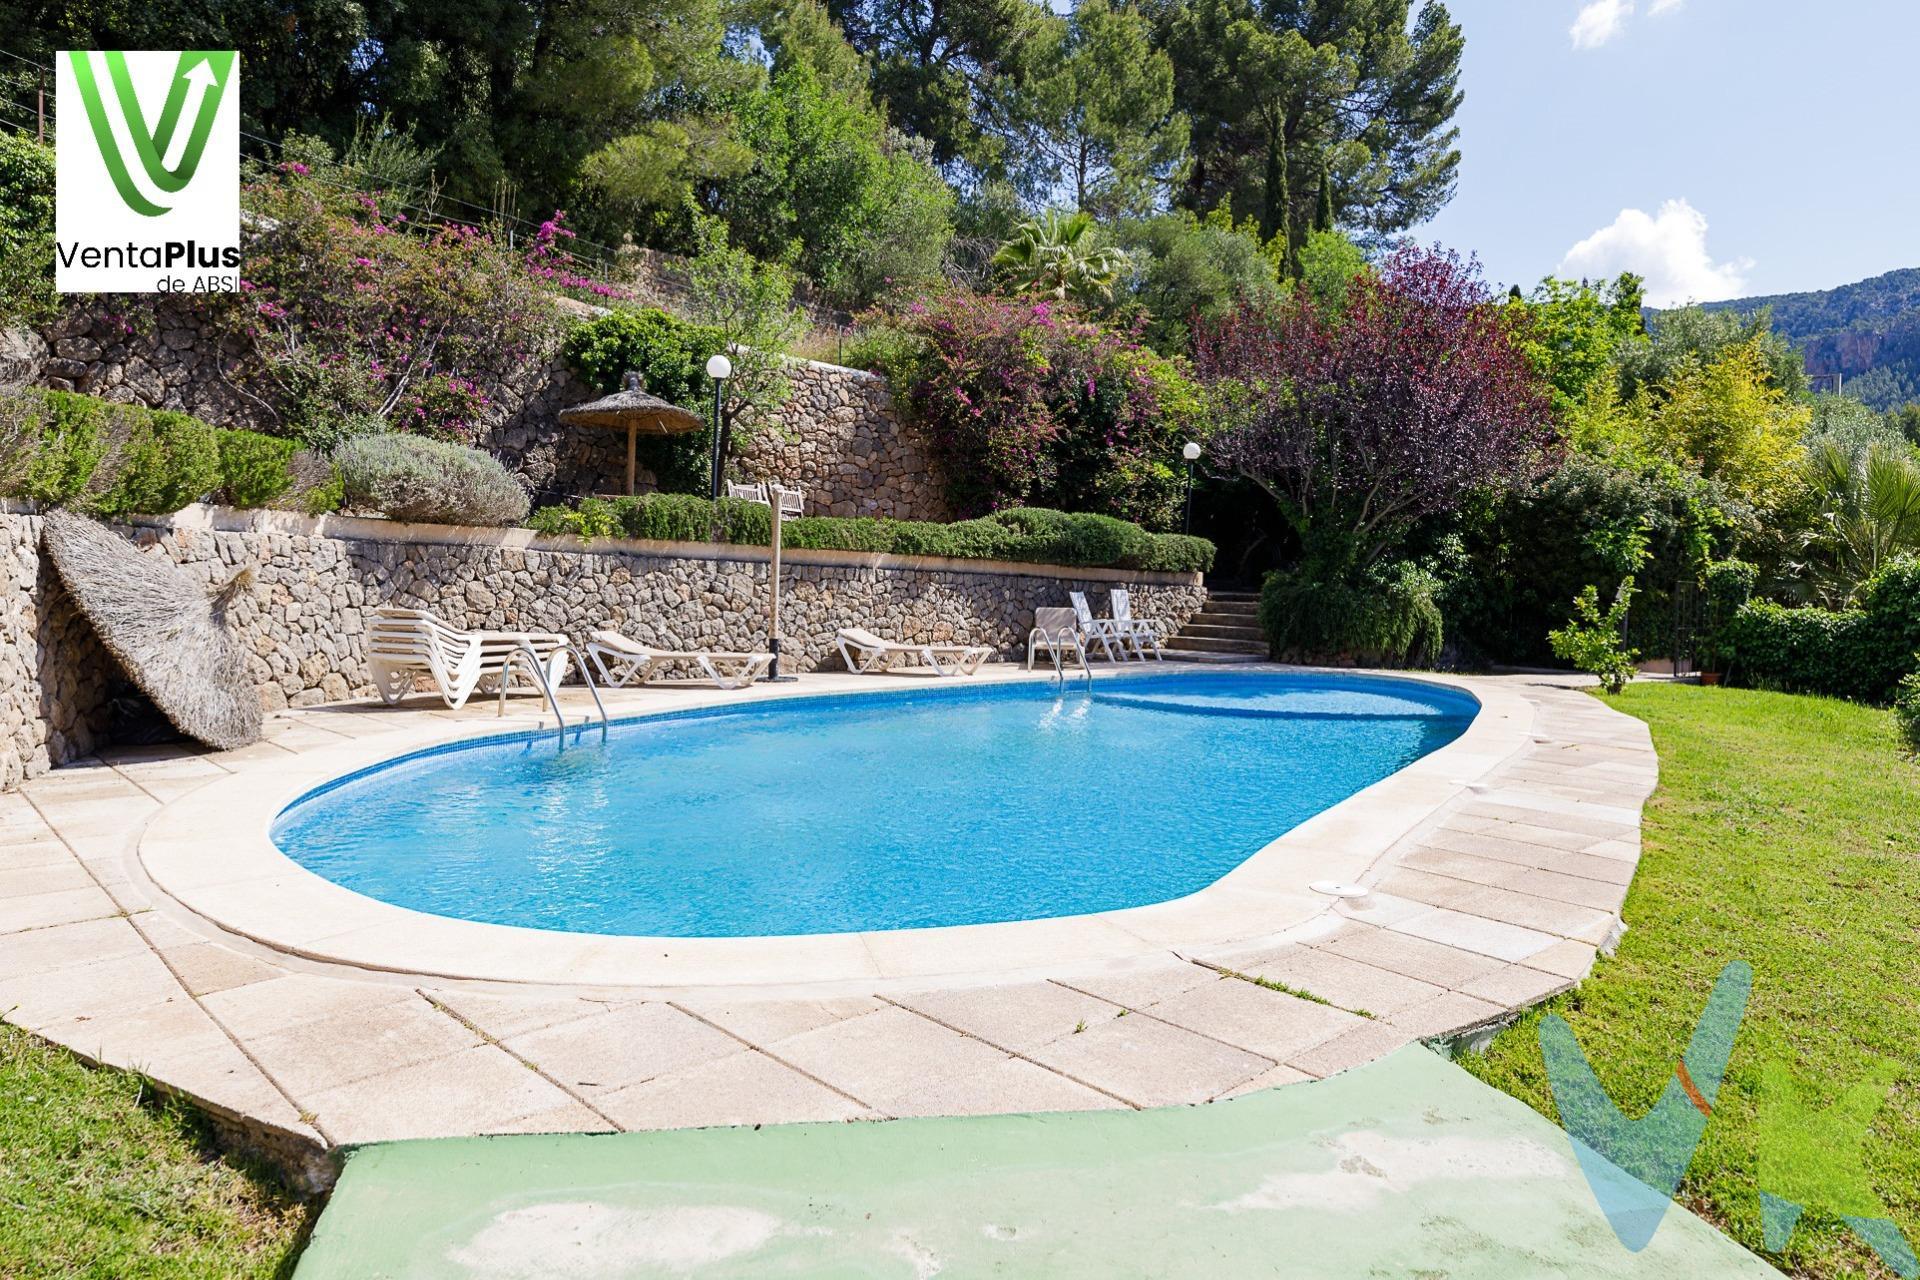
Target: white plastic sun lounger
x=1100, y=631
x=1142, y=633
x=405, y=643
x=867, y=654
x=623, y=661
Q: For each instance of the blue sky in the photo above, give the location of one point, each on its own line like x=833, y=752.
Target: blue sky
x=1723, y=148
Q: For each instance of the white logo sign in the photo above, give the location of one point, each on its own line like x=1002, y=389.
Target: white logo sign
x=147, y=172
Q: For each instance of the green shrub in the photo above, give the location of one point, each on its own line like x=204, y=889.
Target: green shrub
x=1388, y=617
x=1593, y=641
x=408, y=477
x=1810, y=650
x=1029, y=536
x=593, y=518
x=829, y=533
x=1861, y=653
x=326, y=496
x=255, y=469
x=26, y=229
x=167, y=460
x=1906, y=710
x=1179, y=553
x=1094, y=539
x=72, y=440
x=1889, y=635
x=1729, y=584
x=670, y=355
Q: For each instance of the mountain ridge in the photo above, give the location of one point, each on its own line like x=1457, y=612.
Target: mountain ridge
x=1865, y=334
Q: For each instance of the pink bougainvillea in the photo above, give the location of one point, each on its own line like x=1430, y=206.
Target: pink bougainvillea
x=1032, y=405
x=351, y=310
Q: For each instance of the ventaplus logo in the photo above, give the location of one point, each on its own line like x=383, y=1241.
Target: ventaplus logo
x=147, y=172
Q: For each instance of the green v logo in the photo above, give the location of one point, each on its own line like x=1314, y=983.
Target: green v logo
x=169, y=152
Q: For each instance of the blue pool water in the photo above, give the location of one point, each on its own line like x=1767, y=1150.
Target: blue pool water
x=952, y=805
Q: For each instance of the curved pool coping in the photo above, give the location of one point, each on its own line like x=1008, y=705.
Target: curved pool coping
x=210, y=852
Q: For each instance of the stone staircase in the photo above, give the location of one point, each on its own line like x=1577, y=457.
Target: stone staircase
x=1227, y=629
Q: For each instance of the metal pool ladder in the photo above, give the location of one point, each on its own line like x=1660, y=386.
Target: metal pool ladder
x=1057, y=641
x=524, y=650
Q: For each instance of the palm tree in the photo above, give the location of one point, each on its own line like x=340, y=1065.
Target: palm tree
x=1870, y=508
x=1055, y=254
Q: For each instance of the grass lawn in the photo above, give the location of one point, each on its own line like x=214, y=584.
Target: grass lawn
x=1786, y=832
x=97, y=1179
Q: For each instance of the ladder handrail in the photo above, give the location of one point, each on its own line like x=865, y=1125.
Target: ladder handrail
x=525, y=650
x=1085, y=667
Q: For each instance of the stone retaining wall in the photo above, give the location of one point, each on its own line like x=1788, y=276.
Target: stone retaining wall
x=316, y=579
x=837, y=437
x=55, y=679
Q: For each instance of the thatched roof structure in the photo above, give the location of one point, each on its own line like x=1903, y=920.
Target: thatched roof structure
x=166, y=631
x=634, y=410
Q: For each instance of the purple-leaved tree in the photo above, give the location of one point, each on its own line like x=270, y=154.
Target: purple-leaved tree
x=1361, y=421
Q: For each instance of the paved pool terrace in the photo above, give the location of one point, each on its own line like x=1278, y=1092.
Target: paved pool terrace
x=1494, y=875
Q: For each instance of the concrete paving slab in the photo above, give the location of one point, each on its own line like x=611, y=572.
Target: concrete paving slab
x=1433, y=962
x=468, y=1092
x=1150, y=1063
x=883, y=1056
x=1353, y=985
x=746, y=1087
x=1019, y=1017
x=1270, y=1023
x=621, y=1047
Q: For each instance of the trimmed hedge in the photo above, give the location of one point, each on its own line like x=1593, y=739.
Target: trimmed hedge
x=1027, y=535
x=1861, y=653
x=255, y=469
x=60, y=448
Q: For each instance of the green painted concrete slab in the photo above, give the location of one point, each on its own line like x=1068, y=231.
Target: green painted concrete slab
x=1407, y=1167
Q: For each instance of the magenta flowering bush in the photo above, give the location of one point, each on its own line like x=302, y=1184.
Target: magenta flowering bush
x=351, y=318
x=1362, y=420
x=1031, y=404
x=549, y=259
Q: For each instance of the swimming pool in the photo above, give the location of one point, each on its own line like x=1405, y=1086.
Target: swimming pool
x=897, y=810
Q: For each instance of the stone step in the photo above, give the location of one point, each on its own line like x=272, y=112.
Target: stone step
x=1206, y=644
x=1253, y=596
x=1209, y=657
x=1247, y=608
x=1202, y=626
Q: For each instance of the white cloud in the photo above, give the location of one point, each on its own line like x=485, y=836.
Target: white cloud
x=1601, y=21
x=1668, y=248
x=1665, y=6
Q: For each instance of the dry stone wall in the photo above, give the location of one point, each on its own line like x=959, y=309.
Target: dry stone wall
x=837, y=437
x=56, y=681
x=304, y=616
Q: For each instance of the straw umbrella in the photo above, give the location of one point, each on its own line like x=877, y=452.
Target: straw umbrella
x=168, y=634
x=634, y=410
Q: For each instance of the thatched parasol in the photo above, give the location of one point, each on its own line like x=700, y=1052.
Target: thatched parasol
x=166, y=631
x=633, y=409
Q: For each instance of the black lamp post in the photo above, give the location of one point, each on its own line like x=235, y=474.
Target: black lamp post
x=719, y=368
x=1192, y=454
